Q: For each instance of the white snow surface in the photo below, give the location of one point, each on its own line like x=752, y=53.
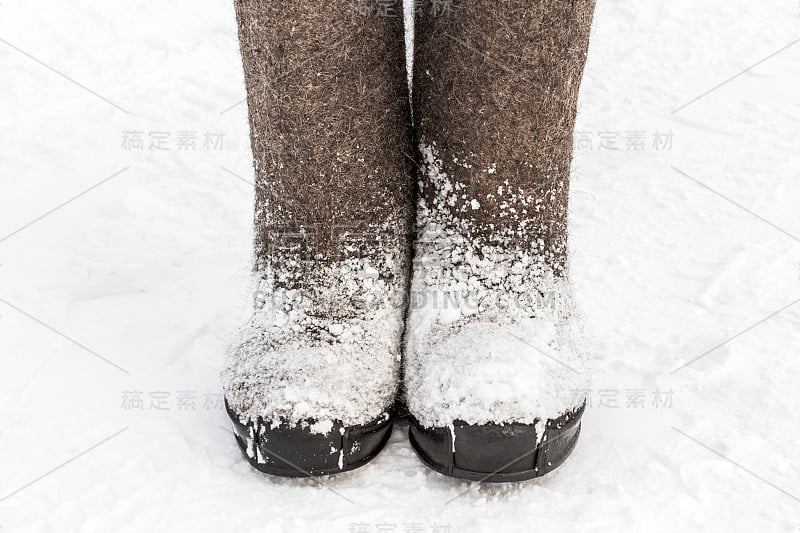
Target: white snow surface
x=149, y=270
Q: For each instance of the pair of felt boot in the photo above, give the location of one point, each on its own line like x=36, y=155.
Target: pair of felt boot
x=448, y=297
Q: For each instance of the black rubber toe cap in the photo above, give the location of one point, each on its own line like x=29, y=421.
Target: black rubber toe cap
x=293, y=450
x=496, y=452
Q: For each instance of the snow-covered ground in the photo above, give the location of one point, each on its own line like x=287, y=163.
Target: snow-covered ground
x=117, y=305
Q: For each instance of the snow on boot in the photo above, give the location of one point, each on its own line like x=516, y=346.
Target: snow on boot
x=494, y=362
x=312, y=381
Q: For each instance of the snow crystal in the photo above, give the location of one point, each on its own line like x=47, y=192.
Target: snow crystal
x=323, y=427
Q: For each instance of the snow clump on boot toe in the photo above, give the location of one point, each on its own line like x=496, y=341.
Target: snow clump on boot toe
x=484, y=372
x=330, y=353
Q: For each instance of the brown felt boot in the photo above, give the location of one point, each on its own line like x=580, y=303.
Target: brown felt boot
x=311, y=385
x=493, y=361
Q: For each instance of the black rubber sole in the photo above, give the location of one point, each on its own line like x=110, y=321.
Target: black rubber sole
x=294, y=451
x=496, y=453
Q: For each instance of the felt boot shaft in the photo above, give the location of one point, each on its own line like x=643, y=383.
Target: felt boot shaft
x=495, y=96
x=329, y=121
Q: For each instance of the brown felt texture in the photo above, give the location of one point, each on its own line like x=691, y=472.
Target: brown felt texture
x=329, y=123
x=496, y=84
